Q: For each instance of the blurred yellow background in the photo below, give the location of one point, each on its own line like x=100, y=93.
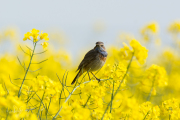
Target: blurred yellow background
x=140, y=79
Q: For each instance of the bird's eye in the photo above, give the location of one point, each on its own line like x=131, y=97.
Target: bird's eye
x=101, y=45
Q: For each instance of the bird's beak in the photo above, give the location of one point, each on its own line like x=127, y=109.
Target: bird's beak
x=97, y=48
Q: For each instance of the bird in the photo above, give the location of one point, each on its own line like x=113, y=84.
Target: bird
x=93, y=61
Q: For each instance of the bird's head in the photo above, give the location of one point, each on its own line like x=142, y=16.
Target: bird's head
x=100, y=46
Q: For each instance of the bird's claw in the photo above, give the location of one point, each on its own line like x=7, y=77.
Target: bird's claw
x=98, y=80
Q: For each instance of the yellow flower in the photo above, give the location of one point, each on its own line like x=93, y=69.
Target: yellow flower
x=140, y=52
x=33, y=117
x=148, y=111
x=45, y=45
x=125, y=52
x=97, y=113
x=27, y=36
x=154, y=77
x=44, y=36
x=108, y=116
x=149, y=31
x=152, y=27
x=66, y=112
x=171, y=107
x=157, y=74
x=81, y=114
x=35, y=34
x=2, y=92
x=156, y=111
x=3, y=102
x=174, y=27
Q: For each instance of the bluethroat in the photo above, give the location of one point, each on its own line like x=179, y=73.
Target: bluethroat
x=93, y=61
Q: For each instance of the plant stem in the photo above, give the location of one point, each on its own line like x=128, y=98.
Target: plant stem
x=7, y=113
x=70, y=96
x=169, y=117
x=149, y=96
x=146, y=115
x=48, y=108
x=87, y=101
x=119, y=86
x=41, y=103
x=19, y=93
x=112, y=97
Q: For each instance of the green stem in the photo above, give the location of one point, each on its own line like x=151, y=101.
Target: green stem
x=112, y=97
x=19, y=93
x=87, y=101
x=67, y=100
x=146, y=115
x=149, y=96
x=169, y=117
x=118, y=86
x=48, y=108
x=41, y=103
x=30, y=98
x=70, y=96
x=7, y=113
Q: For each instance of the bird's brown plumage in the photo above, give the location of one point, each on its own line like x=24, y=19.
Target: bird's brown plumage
x=93, y=60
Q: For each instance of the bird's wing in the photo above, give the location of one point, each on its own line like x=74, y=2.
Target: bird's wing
x=90, y=56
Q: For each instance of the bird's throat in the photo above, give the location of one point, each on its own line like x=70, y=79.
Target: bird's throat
x=103, y=53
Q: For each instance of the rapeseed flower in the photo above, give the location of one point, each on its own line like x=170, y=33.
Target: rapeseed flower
x=34, y=33
x=45, y=95
x=174, y=27
x=44, y=36
x=125, y=52
x=45, y=45
x=170, y=108
x=140, y=52
x=27, y=36
x=150, y=31
x=147, y=111
x=2, y=92
x=152, y=27
x=157, y=75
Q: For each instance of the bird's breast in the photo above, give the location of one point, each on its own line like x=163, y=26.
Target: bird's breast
x=97, y=62
x=103, y=53
x=102, y=58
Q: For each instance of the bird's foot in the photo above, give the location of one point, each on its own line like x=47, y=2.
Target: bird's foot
x=98, y=80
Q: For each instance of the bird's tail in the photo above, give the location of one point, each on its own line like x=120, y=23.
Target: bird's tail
x=77, y=76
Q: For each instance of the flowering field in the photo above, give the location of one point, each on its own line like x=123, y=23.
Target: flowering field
x=35, y=83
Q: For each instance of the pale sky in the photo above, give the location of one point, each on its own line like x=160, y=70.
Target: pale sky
x=76, y=18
